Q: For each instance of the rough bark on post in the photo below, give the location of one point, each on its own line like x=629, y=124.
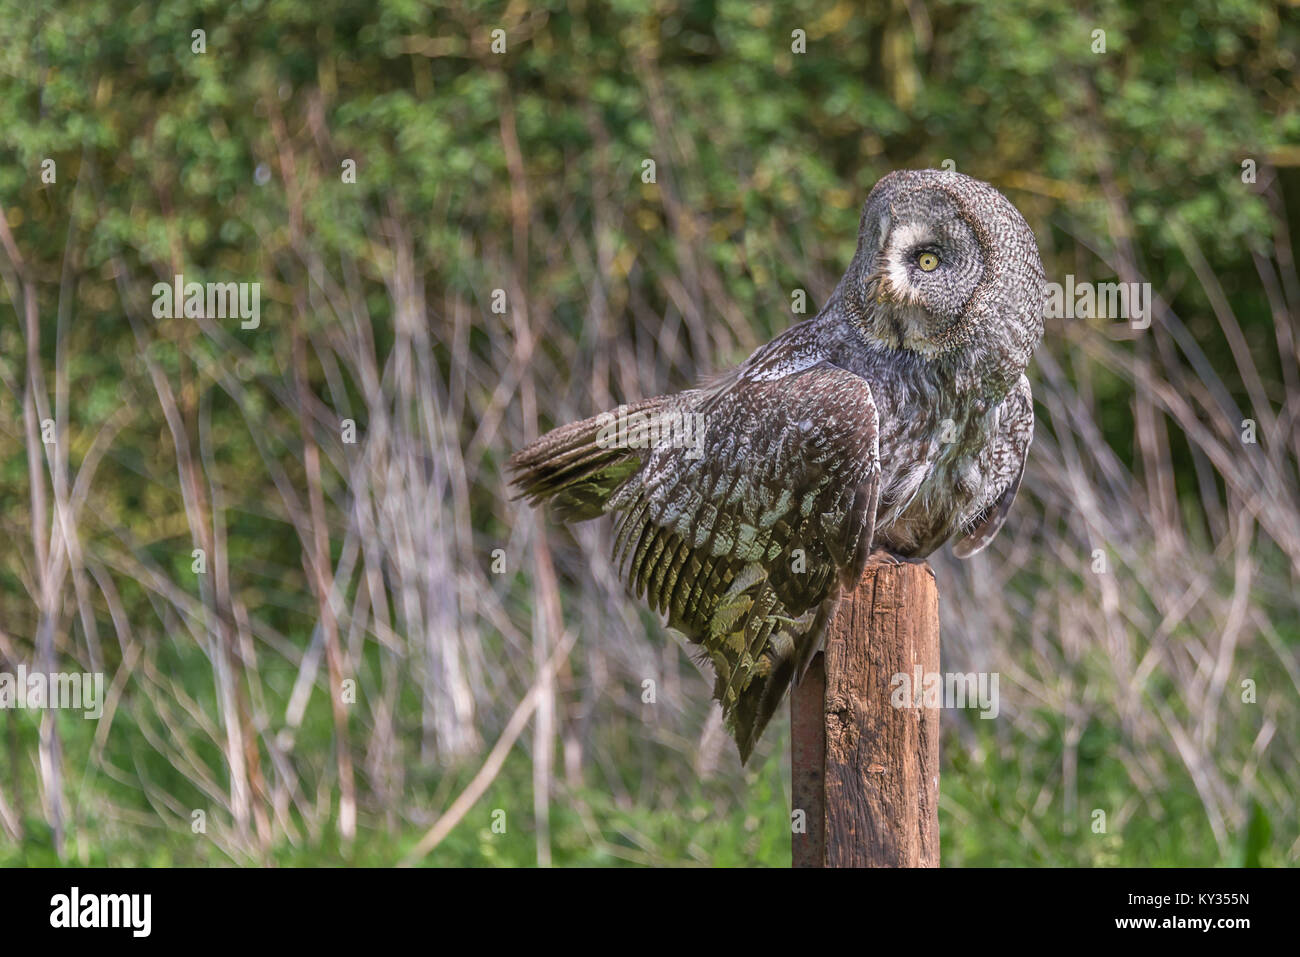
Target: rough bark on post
x=865, y=773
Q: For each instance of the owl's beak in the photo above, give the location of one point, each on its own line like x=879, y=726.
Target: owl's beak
x=885, y=292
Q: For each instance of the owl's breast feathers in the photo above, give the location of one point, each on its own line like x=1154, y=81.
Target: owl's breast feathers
x=744, y=538
x=950, y=465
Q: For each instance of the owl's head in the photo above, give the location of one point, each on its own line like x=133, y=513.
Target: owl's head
x=945, y=265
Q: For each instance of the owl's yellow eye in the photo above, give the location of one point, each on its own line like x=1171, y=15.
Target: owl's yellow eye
x=928, y=262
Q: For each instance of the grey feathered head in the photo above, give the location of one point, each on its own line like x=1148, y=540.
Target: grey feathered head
x=948, y=269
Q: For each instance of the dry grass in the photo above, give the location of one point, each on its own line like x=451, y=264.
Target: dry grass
x=398, y=586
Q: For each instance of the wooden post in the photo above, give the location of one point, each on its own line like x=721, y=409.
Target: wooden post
x=866, y=773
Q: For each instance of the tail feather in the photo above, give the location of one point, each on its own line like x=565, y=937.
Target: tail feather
x=572, y=470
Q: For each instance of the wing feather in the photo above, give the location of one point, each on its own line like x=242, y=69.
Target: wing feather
x=744, y=541
x=745, y=544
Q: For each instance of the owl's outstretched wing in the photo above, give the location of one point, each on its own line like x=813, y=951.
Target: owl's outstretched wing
x=1004, y=463
x=745, y=540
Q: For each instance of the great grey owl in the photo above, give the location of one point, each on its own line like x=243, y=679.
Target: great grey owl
x=897, y=418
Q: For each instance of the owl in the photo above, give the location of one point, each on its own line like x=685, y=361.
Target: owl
x=895, y=420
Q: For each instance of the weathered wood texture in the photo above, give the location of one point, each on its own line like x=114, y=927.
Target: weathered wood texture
x=866, y=773
x=808, y=765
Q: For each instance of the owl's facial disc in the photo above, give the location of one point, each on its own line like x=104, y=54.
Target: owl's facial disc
x=922, y=263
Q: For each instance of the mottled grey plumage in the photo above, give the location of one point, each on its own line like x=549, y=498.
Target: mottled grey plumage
x=895, y=419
